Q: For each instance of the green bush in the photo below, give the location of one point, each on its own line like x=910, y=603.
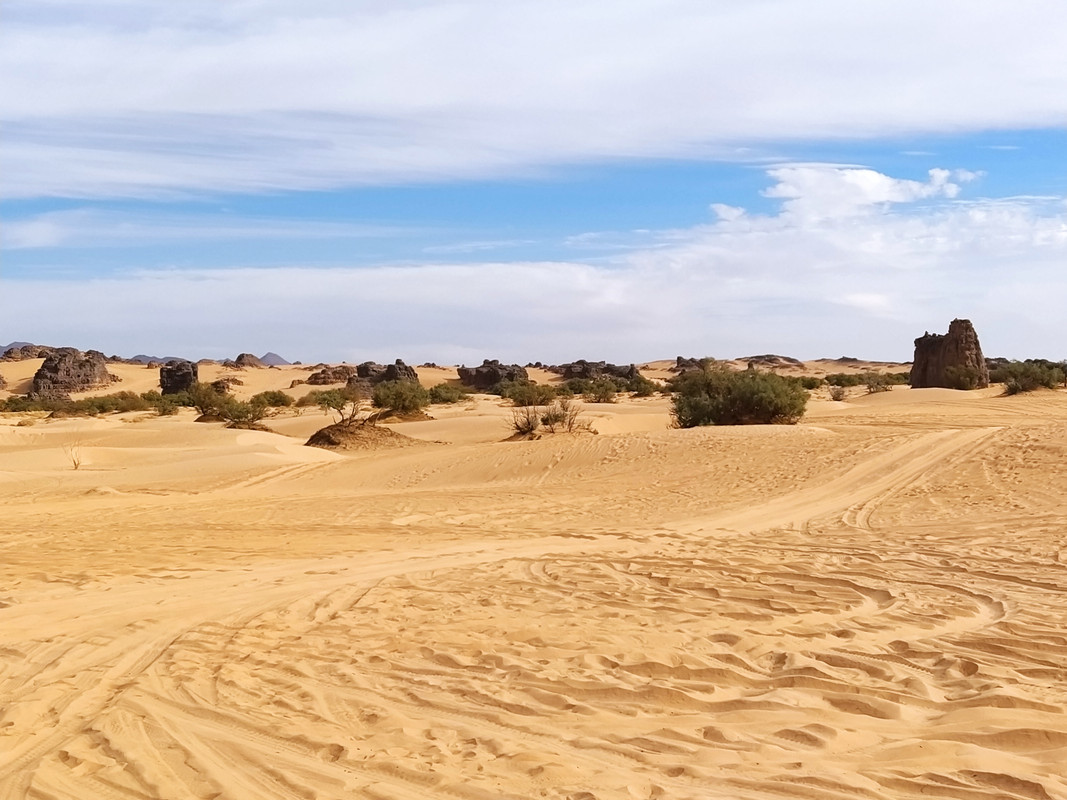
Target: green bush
x=843, y=379
x=273, y=398
x=446, y=393
x=642, y=386
x=838, y=393
x=239, y=414
x=527, y=393
x=965, y=378
x=810, y=382
x=877, y=382
x=400, y=396
x=602, y=390
x=717, y=395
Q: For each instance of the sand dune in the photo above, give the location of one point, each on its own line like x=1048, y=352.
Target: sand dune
x=867, y=605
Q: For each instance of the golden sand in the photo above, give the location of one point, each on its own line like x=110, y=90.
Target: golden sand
x=871, y=604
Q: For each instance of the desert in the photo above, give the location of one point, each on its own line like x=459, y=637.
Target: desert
x=867, y=604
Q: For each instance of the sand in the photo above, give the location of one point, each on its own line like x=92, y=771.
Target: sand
x=871, y=604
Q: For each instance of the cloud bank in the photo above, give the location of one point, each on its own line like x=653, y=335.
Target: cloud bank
x=853, y=259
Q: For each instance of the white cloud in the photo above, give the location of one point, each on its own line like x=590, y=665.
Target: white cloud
x=126, y=98
x=744, y=283
x=820, y=192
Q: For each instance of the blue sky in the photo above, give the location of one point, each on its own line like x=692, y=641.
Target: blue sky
x=450, y=181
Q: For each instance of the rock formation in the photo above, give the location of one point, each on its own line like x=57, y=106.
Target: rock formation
x=3, y=382
x=490, y=373
x=178, y=376
x=952, y=360
x=328, y=375
x=377, y=373
x=591, y=370
x=68, y=370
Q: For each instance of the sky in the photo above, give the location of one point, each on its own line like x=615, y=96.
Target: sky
x=532, y=181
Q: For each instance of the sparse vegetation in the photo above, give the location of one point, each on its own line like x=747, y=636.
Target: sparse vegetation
x=1026, y=376
x=447, y=393
x=525, y=420
x=838, y=393
x=877, y=382
x=563, y=415
x=717, y=395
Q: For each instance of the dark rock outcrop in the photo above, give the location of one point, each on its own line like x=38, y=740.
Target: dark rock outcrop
x=949, y=360
x=490, y=373
x=25, y=352
x=178, y=376
x=377, y=373
x=328, y=375
x=246, y=360
x=771, y=361
x=69, y=370
x=591, y=370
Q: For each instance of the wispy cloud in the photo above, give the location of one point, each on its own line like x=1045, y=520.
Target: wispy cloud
x=150, y=99
x=95, y=228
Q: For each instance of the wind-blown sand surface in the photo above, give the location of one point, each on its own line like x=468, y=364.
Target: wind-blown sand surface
x=872, y=604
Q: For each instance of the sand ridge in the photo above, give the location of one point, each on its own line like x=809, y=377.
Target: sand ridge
x=866, y=605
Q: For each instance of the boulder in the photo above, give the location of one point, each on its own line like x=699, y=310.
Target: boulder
x=68, y=370
x=328, y=375
x=942, y=359
x=490, y=373
x=178, y=376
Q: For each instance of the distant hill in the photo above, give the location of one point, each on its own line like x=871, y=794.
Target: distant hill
x=160, y=359
x=7, y=347
x=274, y=360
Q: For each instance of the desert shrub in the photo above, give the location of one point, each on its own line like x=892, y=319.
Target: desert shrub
x=525, y=420
x=446, y=393
x=529, y=394
x=838, y=392
x=273, y=398
x=578, y=385
x=876, y=382
x=810, y=382
x=958, y=377
x=717, y=395
x=206, y=400
x=642, y=386
x=602, y=390
x=400, y=396
x=1026, y=376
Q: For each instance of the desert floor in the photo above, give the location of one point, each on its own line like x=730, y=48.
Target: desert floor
x=871, y=604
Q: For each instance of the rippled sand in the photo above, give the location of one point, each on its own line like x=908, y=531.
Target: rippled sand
x=872, y=604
